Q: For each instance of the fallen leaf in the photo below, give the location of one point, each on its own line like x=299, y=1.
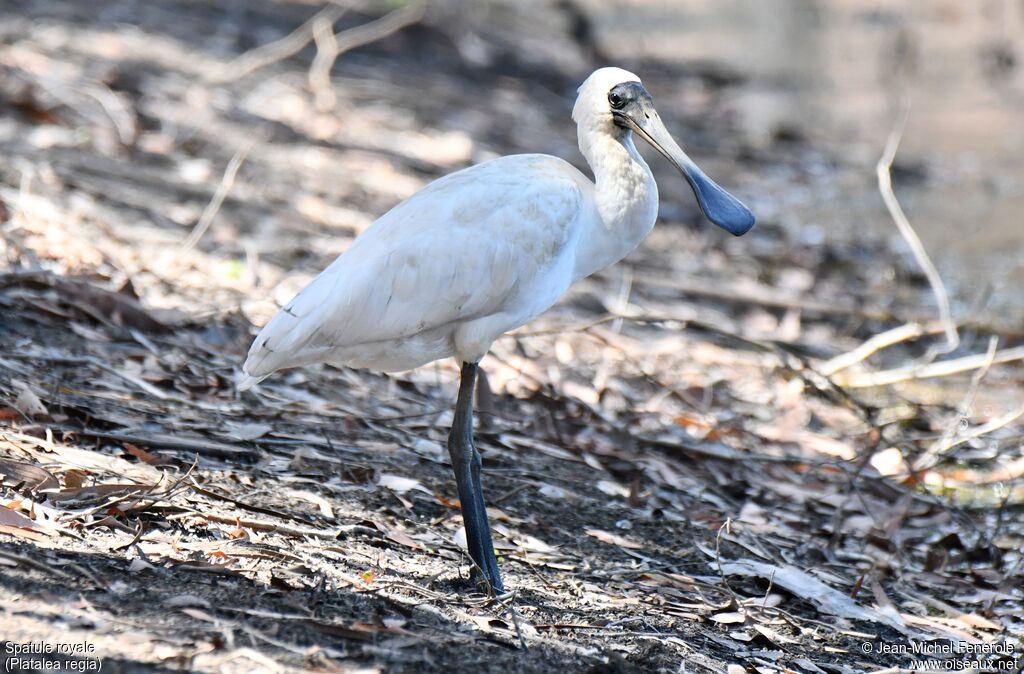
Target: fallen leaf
x=730, y=617
x=806, y=586
x=552, y=492
x=399, y=484
x=22, y=533
x=74, y=478
x=453, y=504
x=889, y=463
x=975, y=620
x=199, y=615
x=319, y=501
x=27, y=402
x=142, y=455
x=14, y=522
x=29, y=476
x=245, y=431
x=497, y=514
x=773, y=636
x=139, y=564
x=180, y=600
x=98, y=491
x=612, y=488
x=99, y=303
x=613, y=539
x=806, y=664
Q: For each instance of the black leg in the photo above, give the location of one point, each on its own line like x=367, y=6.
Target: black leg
x=466, y=464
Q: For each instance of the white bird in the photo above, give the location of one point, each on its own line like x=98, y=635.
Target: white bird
x=481, y=252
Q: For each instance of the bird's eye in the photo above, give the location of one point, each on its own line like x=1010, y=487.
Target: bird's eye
x=617, y=102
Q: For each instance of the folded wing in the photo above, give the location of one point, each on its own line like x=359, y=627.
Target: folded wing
x=464, y=247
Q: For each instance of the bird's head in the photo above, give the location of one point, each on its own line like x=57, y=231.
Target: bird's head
x=613, y=101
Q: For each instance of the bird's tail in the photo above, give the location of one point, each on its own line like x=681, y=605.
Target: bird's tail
x=247, y=381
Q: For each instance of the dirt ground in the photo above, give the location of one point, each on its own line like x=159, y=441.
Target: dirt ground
x=693, y=462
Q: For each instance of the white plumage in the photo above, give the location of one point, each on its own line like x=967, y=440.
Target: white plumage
x=481, y=252
x=471, y=256
x=485, y=250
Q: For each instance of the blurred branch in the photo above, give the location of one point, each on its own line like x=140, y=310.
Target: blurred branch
x=939, y=369
x=883, y=170
x=379, y=28
x=320, y=70
x=330, y=46
x=876, y=343
x=212, y=208
x=290, y=45
x=963, y=411
x=929, y=460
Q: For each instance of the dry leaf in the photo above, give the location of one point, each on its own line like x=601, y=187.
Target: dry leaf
x=143, y=455
x=730, y=617
x=806, y=586
x=245, y=431
x=13, y=518
x=774, y=636
x=74, y=478
x=399, y=484
x=27, y=402
x=613, y=539
x=22, y=533
x=29, y=476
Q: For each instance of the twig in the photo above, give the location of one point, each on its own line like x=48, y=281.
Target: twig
x=247, y=506
x=876, y=343
x=260, y=525
x=212, y=208
x=1000, y=474
x=940, y=369
x=883, y=169
x=928, y=458
x=718, y=561
x=379, y=28
x=119, y=113
x=141, y=384
x=293, y=43
x=320, y=70
x=330, y=46
x=33, y=564
x=178, y=442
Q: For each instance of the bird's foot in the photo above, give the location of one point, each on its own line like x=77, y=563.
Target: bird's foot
x=487, y=583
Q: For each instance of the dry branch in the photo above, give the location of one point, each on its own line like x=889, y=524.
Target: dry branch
x=944, y=444
x=876, y=343
x=262, y=56
x=330, y=46
x=940, y=369
x=212, y=208
x=883, y=169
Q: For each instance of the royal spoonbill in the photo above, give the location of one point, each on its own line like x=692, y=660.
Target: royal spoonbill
x=481, y=252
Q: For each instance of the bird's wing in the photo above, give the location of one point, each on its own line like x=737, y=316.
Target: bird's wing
x=459, y=249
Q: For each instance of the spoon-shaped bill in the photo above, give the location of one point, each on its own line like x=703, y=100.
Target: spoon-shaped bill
x=719, y=206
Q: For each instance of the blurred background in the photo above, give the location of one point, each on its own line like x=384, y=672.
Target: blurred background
x=789, y=102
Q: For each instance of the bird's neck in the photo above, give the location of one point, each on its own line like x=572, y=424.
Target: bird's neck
x=626, y=199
